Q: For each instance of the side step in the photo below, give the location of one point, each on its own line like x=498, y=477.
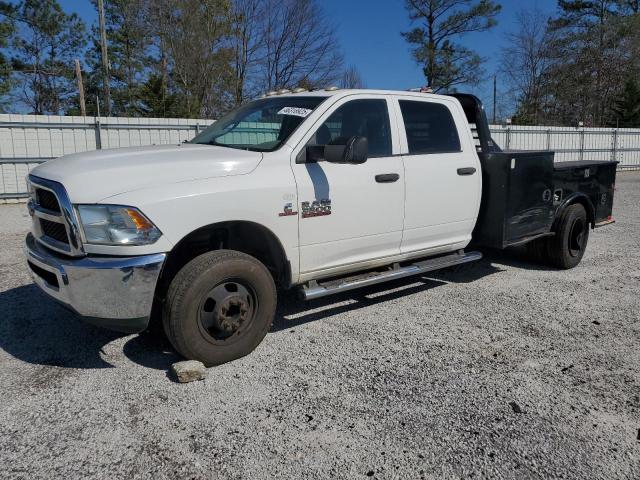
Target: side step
x=330, y=287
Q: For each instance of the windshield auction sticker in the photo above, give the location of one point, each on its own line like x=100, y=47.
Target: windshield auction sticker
x=296, y=111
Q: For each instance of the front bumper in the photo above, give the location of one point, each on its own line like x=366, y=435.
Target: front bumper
x=111, y=292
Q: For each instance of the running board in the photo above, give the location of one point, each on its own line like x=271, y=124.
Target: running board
x=318, y=290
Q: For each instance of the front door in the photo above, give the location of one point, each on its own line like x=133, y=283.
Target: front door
x=350, y=214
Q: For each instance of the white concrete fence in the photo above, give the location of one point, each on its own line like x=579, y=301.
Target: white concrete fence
x=569, y=143
x=27, y=140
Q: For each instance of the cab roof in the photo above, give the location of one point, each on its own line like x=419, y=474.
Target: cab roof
x=342, y=92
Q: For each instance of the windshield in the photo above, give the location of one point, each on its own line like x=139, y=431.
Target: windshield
x=262, y=125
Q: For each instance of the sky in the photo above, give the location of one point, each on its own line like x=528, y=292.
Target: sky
x=369, y=34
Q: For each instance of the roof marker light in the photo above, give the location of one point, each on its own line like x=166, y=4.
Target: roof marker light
x=421, y=90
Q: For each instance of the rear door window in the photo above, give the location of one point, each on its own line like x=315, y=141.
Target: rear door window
x=430, y=127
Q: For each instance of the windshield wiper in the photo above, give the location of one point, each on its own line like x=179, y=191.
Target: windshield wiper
x=213, y=143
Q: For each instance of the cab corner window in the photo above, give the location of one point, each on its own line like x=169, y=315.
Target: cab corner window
x=430, y=127
x=358, y=118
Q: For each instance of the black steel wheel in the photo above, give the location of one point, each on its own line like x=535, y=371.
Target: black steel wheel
x=219, y=307
x=227, y=311
x=567, y=247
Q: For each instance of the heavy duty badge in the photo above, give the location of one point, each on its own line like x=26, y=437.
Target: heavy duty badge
x=317, y=208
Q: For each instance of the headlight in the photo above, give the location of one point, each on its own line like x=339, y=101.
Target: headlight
x=116, y=225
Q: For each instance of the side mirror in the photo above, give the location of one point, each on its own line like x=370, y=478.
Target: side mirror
x=355, y=150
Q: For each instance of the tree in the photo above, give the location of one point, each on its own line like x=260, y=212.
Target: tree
x=129, y=41
x=93, y=78
x=582, y=59
x=300, y=46
x=629, y=6
x=247, y=41
x=169, y=57
x=156, y=101
x=282, y=44
x=588, y=60
x=630, y=28
x=626, y=108
x=525, y=65
x=194, y=36
x=44, y=47
x=7, y=27
x=446, y=63
x=351, y=78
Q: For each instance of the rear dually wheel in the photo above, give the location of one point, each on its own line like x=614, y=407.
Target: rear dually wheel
x=566, y=248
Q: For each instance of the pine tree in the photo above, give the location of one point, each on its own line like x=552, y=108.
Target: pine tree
x=129, y=42
x=445, y=62
x=45, y=43
x=588, y=60
x=627, y=107
x=157, y=101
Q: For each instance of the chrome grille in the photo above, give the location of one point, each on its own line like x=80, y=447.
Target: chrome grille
x=47, y=199
x=54, y=230
x=54, y=220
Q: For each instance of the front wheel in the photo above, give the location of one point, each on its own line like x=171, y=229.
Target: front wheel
x=219, y=307
x=566, y=248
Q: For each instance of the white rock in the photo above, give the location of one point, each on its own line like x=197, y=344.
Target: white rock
x=189, y=371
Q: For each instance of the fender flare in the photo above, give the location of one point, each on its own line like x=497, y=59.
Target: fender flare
x=576, y=197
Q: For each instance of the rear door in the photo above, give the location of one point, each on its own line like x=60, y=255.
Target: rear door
x=351, y=214
x=442, y=174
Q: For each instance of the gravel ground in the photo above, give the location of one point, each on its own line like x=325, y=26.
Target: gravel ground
x=503, y=370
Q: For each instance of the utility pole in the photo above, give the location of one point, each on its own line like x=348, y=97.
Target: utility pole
x=494, y=100
x=83, y=109
x=105, y=58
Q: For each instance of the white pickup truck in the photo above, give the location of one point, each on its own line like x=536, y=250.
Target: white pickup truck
x=323, y=191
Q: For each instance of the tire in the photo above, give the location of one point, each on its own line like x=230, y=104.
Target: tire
x=566, y=248
x=219, y=307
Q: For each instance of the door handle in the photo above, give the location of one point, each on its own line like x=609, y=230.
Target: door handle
x=466, y=171
x=387, y=178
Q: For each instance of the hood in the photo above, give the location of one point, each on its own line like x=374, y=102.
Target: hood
x=93, y=176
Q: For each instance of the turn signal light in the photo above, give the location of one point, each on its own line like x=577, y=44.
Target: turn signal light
x=139, y=220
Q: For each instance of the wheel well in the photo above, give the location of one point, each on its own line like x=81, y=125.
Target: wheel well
x=582, y=200
x=247, y=237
